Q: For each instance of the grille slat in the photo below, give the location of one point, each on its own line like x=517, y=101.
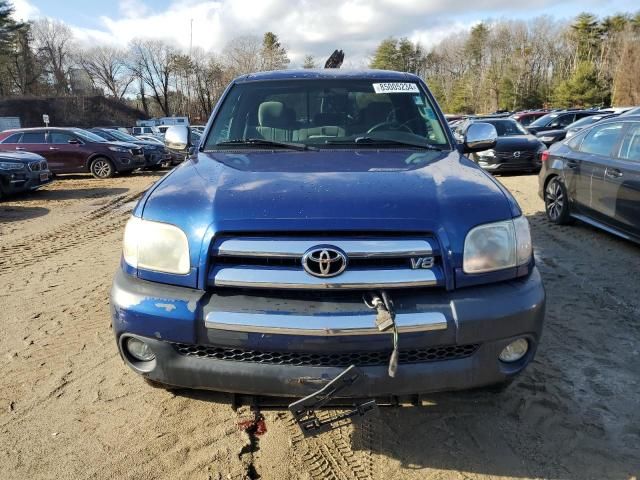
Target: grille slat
x=336, y=359
x=372, y=262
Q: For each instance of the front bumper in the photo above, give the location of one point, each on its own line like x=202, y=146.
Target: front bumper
x=488, y=316
x=25, y=181
x=511, y=166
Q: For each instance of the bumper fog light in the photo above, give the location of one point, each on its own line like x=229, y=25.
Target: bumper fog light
x=139, y=350
x=514, y=351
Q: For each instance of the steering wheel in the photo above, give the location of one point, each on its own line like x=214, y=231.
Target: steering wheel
x=390, y=126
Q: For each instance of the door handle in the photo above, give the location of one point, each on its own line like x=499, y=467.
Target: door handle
x=572, y=164
x=19, y=148
x=613, y=173
x=53, y=148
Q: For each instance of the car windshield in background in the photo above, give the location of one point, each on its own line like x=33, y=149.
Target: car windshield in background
x=88, y=136
x=321, y=113
x=123, y=137
x=507, y=128
x=583, y=122
x=544, y=120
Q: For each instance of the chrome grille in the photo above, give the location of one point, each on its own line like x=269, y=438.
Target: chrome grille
x=35, y=166
x=277, y=262
x=335, y=359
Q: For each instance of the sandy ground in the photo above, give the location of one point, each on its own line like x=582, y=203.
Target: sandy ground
x=70, y=409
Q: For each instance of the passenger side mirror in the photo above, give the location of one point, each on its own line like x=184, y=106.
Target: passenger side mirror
x=178, y=138
x=479, y=136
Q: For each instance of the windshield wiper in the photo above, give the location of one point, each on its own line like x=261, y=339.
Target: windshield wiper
x=265, y=142
x=383, y=141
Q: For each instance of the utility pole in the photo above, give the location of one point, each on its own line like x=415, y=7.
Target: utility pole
x=189, y=72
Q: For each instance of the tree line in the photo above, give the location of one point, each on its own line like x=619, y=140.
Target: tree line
x=513, y=65
x=42, y=58
x=497, y=65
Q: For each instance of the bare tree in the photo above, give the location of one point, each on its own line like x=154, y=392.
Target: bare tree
x=242, y=55
x=53, y=41
x=108, y=69
x=153, y=61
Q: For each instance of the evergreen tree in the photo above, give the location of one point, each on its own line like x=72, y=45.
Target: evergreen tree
x=309, y=62
x=273, y=54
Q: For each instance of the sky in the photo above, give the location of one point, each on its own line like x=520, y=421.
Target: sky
x=303, y=26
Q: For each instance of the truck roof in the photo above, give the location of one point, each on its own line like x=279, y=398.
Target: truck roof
x=328, y=73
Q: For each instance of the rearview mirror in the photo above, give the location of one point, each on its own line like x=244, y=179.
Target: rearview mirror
x=479, y=136
x=177, y=138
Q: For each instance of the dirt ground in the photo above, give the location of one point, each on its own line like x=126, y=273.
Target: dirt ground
x=70, y=409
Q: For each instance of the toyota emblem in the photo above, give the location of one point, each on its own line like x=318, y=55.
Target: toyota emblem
x=324, y=261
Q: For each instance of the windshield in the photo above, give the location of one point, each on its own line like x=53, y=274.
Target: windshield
x=88, y=136
x=507, y=128
x=125, y=137
x=326, y=113
x=544, y=120
x=583, y=122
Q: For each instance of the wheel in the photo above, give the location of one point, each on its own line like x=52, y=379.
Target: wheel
x=102, y=168
x=556, y=202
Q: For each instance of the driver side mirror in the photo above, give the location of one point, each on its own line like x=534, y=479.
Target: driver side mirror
x=178, y=138
x=74, y=141
x=479, y=136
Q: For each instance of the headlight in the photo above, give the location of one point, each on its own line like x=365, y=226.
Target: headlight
x=156, y=246
x=11, y=166
x=487, y=153
x=547, y=139
x=496, y=246
x=120, y=149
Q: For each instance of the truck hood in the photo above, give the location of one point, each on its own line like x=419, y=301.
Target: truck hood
x=341, y=190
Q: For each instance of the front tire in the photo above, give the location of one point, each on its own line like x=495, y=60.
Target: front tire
x=102, y=167
x=556, y=202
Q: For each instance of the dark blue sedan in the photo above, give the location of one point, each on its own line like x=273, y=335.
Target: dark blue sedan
x=595, y=177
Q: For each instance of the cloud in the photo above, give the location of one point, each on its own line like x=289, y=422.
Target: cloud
x=23, y=10
x=304, y=26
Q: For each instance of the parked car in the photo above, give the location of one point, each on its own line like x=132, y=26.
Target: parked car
x=525, y=118
x=595, y=177
x=146, y=131
x=578, y=125
x=71, y=150
x=552, y=136
x=151, y=138
x=324, y=211
x=22, y=172
x=515, y=150
x=632, y=111
x=558, y=120
x=155, y=155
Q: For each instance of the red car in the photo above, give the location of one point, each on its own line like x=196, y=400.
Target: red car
x=73, y=150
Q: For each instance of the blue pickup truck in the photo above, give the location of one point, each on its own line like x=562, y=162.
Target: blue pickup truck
x=328, y=220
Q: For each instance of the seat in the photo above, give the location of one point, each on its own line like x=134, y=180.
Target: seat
x=275, y=122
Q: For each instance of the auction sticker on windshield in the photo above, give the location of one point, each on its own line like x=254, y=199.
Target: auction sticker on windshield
x=396, y=88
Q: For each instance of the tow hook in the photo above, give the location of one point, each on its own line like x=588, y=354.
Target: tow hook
x=304, y=410
x=385, y=319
